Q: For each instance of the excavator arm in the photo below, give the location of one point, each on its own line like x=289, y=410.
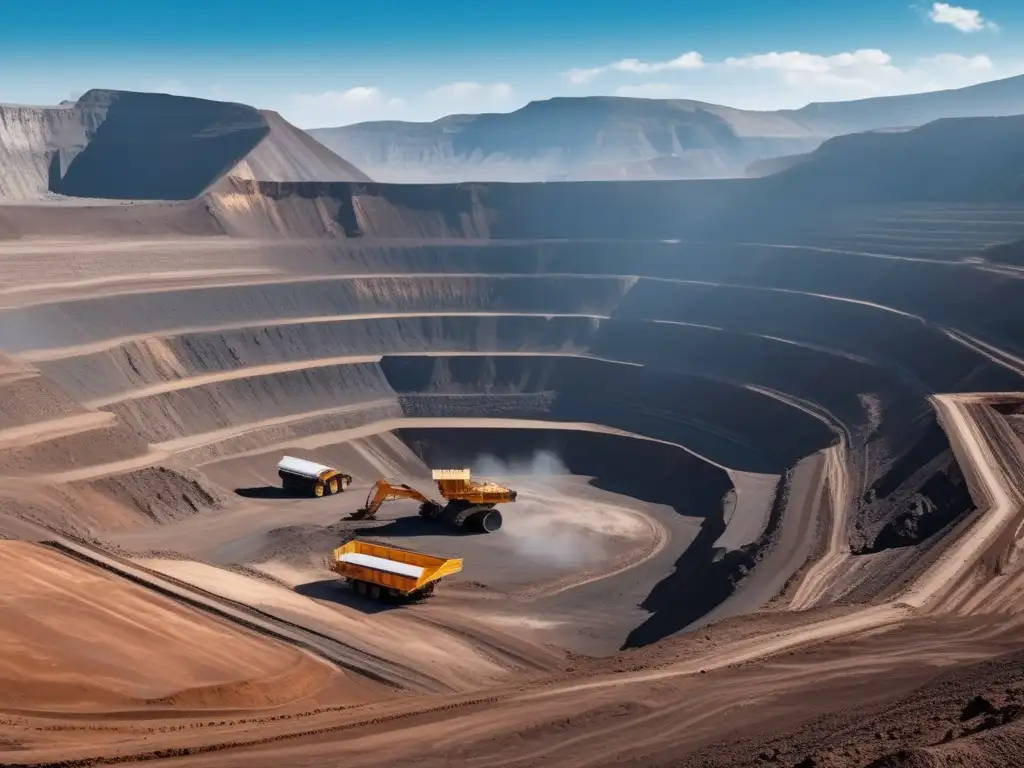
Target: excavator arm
x=383, y=491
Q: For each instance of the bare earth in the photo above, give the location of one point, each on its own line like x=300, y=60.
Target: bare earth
x=742, y=537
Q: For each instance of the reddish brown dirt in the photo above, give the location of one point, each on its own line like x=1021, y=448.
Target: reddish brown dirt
x=752, y=491
x=105, y=644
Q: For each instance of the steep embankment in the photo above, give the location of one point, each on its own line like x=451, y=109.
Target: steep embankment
x=615, y=139
x=694, y=346
x=121, y=145
x=821, y=200
x=36, y=145
x=718, y=321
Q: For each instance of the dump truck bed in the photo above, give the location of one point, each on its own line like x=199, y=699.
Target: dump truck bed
x=398, y=571
x=382, y=564
x=303, y=467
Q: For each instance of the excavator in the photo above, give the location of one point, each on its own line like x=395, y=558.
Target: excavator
x=469, y=505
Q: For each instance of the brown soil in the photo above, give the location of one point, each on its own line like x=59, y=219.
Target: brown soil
x=747, y=530
x=104, y=644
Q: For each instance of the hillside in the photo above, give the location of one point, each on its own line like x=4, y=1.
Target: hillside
x=610, y=138
x=146, y=146
x=809, y=198
x=763, y=434
x=968, y=159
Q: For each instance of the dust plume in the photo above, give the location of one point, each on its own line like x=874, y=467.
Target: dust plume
x=539, y=527
x=540, y=464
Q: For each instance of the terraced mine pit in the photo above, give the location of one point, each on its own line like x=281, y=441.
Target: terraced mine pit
x=743, y=421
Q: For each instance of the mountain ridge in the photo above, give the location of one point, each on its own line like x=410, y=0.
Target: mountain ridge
x=627, y=138
x=151, y=146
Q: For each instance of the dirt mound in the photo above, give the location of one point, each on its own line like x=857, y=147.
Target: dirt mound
x=158, y=494
x=26, y=397
x=301, y=546
x=124, y=145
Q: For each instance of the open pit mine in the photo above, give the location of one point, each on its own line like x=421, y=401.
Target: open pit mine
x=764, y=438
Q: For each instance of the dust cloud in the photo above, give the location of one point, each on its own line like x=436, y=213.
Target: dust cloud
x=540, y=464
x=543, y=525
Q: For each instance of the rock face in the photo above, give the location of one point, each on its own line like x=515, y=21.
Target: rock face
x=605, y=138
x=147, y=146
x=749, y=361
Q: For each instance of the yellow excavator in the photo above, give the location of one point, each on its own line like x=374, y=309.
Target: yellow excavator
x=469, y=505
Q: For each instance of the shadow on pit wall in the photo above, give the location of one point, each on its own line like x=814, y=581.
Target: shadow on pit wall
x=652, y=472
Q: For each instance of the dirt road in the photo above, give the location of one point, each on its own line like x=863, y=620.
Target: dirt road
x=595, y=709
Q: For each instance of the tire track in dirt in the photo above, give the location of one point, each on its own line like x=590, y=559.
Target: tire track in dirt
x=346, y=657
x=816, y=582
x=976, y=445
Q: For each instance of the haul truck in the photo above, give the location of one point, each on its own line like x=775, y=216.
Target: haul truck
x=310, y=478
x=377, y=571
x=469, y=505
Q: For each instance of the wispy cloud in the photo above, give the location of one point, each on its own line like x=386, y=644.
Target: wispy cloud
x=963, y=19
x=352, y=98
x=868, y=72
x=362, y=103
x=651, y=91
x=470, y=90
x=690, y=60
x=799, y=61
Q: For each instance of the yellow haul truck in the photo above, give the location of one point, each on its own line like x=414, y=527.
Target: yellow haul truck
x=377, y=571
x=310, y=478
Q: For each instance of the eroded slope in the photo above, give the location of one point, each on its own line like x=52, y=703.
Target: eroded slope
x=124, y=145
x=735, y=408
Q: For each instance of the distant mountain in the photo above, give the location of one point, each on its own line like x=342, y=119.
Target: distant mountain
x=608, y=138
x=977, y=160
x=152, y=146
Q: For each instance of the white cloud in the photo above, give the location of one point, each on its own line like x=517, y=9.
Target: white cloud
x=866, y=72
x=690, y=60
x=798, y=61
x=651, y=91
x=785, y=79
x=471, y=93
x=353, y=98
x=365, y=103
x=963, y=19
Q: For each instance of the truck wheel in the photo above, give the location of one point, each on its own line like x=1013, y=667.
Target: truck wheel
x=360, y=588
x=318, y=490
x=332, y=486
x=375, y=591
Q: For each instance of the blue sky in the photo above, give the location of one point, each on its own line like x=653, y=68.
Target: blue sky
x=334, y=62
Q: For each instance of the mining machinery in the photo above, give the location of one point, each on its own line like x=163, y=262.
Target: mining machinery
x=379, y=571
x=469, y=504
x=309, y=478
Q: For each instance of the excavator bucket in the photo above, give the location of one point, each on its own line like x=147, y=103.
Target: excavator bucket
x=360, y=514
